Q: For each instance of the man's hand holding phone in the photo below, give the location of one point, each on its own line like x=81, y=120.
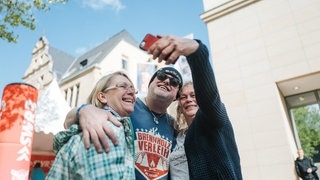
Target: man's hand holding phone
x=168, y=48
x=147, y=41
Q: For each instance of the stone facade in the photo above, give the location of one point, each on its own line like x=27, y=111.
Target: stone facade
x=260, y=50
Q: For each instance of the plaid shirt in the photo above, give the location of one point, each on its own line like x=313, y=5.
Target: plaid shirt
x=74, y=161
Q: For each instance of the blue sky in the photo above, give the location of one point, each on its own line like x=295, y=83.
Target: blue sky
x=80, y=25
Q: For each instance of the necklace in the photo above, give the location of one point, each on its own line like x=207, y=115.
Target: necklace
x=155, y=118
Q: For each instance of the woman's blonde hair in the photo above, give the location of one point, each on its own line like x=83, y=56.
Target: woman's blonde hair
x=103, y=84
x=180, y=124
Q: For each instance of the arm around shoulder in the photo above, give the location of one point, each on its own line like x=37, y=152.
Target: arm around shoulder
x=70, y=118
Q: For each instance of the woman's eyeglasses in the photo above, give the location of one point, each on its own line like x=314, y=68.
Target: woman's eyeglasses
x=123, y=86
x=173, y=81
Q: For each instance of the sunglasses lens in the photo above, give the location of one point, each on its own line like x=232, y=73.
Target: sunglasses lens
x=162, y=76
x=174, y=82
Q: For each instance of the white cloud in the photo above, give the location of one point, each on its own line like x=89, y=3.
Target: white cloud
x=100, y=4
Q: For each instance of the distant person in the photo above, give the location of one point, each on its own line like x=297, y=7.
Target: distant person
x=37, y=173
x=305, y=167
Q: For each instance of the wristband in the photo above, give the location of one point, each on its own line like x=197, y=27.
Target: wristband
x=78, y=111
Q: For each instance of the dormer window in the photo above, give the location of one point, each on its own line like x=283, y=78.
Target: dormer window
x=84, y=62
x=124, y=64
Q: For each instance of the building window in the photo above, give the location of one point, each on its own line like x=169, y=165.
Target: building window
x=72, y=95
x=84, y=62
x=77, y=95
x=66, y=94
x=304, y=111
x=124, y=64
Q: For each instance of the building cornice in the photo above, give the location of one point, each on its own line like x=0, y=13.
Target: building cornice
x=79, y=74
x=224, y=9
x=35, y=70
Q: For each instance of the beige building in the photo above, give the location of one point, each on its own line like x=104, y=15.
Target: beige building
x=264, y=51
x=77, y=76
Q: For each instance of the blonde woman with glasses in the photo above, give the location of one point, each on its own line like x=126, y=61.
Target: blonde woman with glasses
x=116, y=94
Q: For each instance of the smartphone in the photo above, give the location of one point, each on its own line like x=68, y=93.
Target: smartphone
x=147, y=41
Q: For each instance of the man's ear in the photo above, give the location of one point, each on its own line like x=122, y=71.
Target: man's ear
x=102, y=97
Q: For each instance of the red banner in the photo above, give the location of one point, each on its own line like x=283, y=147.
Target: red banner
x=18, y=107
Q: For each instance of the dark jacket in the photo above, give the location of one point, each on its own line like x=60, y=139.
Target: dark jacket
x=301, y=168
x=210, y=144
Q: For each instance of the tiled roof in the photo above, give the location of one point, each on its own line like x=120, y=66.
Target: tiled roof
x=61, y=61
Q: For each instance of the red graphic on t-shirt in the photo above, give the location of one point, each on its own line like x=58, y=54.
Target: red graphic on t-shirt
x=152, y=154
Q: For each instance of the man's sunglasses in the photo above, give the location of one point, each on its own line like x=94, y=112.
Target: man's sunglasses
x=173, y=81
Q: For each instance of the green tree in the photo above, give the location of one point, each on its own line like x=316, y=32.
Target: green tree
x=15, y=13
x=307, y=121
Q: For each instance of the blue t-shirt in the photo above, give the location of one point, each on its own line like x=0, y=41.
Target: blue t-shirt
x=153, y=142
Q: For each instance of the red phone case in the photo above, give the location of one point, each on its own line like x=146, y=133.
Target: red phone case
x=147, y=41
